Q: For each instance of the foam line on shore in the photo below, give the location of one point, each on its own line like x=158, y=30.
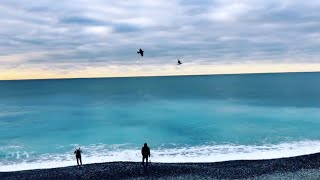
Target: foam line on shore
x=207, y=153
x=300, y=167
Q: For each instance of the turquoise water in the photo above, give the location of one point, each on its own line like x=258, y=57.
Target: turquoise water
x=183, y=119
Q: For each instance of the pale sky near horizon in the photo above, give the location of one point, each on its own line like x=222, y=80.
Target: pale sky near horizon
x=100, y=38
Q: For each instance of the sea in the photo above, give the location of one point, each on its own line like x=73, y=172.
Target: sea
x=208, y=118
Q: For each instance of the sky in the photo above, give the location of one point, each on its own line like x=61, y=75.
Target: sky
x=100, y=38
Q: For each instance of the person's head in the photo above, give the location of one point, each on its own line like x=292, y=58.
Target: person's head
x=145, y=144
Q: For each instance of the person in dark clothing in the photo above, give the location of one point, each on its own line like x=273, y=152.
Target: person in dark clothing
x=78, y=152
x=145, y=151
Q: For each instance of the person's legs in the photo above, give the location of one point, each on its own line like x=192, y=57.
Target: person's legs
x=147, y=161
x=142, y=163
x=80, y=161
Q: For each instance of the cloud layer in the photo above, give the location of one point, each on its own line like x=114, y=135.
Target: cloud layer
x=72, y=35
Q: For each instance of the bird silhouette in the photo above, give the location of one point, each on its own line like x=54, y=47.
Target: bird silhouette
x=140, y=52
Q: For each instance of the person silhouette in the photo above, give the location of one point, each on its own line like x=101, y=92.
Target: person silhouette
x=145, y=151
x=78, y=152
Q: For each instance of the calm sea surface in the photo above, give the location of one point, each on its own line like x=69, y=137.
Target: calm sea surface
x=183, y=119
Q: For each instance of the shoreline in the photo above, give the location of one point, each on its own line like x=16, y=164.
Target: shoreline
x=305, y=166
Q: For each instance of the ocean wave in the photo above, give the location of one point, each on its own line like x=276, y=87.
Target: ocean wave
x=174, y=154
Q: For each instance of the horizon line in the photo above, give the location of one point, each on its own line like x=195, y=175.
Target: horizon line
x=77, y=72
x=146, y=76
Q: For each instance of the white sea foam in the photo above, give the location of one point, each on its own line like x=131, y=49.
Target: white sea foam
x=208, y=153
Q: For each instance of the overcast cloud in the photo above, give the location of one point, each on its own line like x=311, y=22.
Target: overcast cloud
x=75, y=34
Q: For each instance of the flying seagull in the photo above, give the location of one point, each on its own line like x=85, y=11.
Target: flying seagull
x=140, y=52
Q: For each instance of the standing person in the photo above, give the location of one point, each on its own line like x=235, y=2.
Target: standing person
x=145, y=151
x=78, y=152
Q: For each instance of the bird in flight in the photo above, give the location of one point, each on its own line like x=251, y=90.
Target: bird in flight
x=179, y=62
x=140, y=52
